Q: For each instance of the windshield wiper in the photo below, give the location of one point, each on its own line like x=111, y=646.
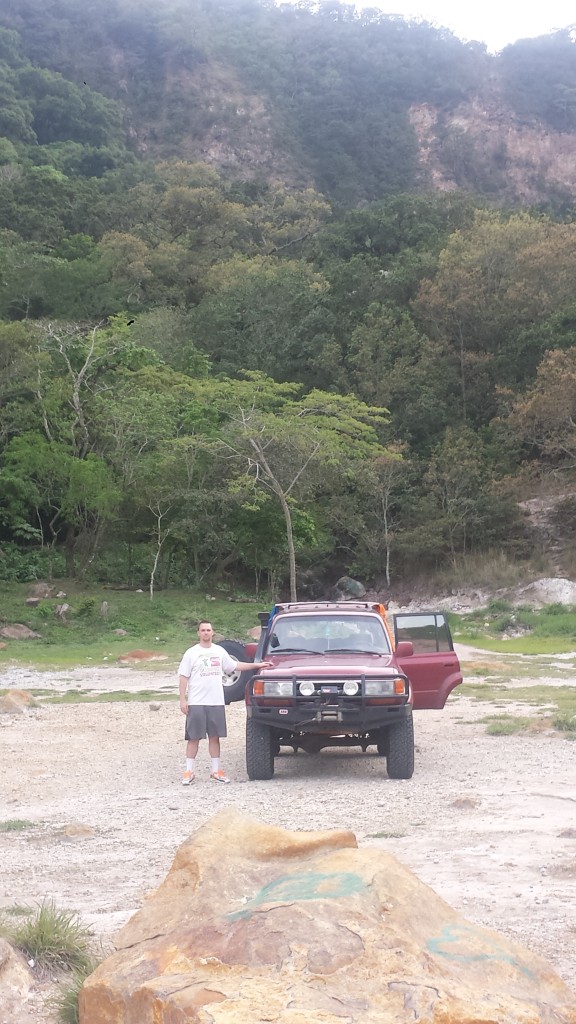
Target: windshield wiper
x=350, y=650
x=292, y=650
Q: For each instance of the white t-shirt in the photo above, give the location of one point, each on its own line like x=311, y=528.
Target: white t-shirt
x=204, y=667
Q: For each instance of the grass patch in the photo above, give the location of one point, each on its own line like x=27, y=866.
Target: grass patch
x=81, y=696
x=565, y=722
x=562, y=697
x=504, y=628
x=506, y=725
x=112, y=697
x=529, y=644
x=166, y=625
x=558, y=701
x=54, y=939
x=18, y=910
x=16, y=825
x=517, y=669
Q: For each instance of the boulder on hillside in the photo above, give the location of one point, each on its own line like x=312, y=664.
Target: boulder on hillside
x=16, y=631
x=255, y=923
x=348, y=589
x=40, y=589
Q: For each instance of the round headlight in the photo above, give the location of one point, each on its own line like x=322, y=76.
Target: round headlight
x=306, y=688
x=350, y=687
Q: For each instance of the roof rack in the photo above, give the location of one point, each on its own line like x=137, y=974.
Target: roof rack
x=313, y=606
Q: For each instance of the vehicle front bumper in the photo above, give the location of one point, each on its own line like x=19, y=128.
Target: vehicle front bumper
x=342, y=716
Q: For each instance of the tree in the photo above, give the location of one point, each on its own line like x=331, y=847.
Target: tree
x=394, y=365
x=456, y=480
x=502, y=274
x=18, y=371
x=287, y=443
x=25, y=272
x=265, y=314
x=385, y=511
x=169, y=484
x=74, y=497
x=539, y=78
x=543, y=419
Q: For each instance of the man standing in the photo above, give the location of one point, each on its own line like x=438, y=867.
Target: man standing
x=202, y=698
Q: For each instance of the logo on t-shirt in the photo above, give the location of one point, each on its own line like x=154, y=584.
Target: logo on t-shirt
x=215, y=662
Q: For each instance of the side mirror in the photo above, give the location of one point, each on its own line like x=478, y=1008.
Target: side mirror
x=404, y=649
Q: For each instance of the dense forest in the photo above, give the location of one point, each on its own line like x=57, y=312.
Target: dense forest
x=329, y=367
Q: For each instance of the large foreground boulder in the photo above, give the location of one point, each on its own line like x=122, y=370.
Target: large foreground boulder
x=254, y=923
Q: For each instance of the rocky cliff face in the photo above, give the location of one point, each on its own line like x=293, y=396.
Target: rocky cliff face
x=232, y=128
x=207, y=112
x=482, y=145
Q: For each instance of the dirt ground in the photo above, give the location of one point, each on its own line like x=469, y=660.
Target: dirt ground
x=489, y=822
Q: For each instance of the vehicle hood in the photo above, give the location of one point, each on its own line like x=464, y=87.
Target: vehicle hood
x=331, y=665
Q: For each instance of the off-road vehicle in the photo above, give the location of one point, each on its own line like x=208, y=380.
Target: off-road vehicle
x=343, y=674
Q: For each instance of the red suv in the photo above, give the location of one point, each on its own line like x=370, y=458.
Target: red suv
x=343, y=674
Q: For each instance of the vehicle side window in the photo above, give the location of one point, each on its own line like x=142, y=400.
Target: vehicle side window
x=428, y=633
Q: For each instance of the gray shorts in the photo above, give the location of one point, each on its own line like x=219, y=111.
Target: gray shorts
x=205, y=720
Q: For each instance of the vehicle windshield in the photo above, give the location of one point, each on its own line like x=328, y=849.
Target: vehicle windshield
x=309, y=634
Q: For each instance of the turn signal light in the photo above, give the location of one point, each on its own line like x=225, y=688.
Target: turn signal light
x=272, y=688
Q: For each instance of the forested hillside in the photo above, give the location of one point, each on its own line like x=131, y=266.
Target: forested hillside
x=247, y=325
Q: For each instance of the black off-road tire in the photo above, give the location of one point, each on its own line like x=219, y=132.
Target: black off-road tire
x=259, y=750
x=235, y=684
x=400, y=756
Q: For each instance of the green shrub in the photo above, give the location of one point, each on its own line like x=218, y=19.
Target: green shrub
x=119, y=563
x=85, y=608
x=21, y=565
x=497, y=606
x=555, y=609
x=504, y=622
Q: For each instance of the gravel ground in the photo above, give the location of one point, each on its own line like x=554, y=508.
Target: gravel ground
x=488, y=821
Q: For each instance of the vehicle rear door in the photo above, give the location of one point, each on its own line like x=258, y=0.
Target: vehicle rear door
x=434, y=668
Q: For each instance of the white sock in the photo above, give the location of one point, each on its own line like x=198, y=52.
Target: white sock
x=190, y=764
x=215, y=764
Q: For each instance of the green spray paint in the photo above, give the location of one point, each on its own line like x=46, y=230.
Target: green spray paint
x=299, y=888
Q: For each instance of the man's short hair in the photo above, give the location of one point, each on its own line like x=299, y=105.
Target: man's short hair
x=204, y=622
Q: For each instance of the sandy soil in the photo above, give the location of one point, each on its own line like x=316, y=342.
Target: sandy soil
x=488, y=821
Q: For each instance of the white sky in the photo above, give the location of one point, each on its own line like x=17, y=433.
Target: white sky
x=490, y=22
